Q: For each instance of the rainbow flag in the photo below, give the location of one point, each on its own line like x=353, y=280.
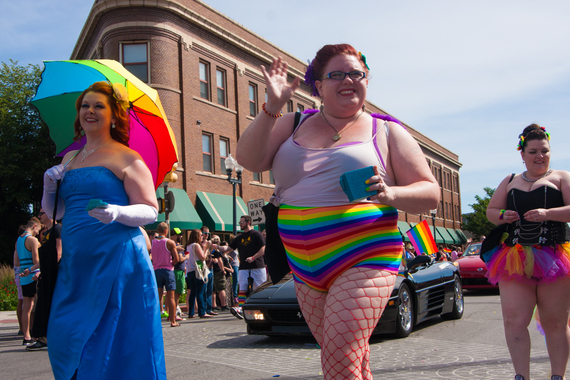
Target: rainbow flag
x=422, y=239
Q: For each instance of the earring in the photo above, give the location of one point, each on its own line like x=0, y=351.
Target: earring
x=82, y=132
x=113, y=125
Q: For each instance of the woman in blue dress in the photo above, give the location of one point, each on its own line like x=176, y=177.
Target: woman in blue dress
x=105, y=320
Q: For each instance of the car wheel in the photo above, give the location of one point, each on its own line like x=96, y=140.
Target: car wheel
x=457, y=311
x=405, y=318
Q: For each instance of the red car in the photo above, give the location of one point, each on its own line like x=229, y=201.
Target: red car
x=472, y=269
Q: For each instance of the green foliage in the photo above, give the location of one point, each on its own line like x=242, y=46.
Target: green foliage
x=26, y=151
x=8, y=291
x=477, y=222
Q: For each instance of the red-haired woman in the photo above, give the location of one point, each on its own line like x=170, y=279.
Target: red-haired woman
x=530, y=254
x=104, y=321
x=344, y=256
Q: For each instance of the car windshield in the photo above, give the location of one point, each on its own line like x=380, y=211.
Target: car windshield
x=473, y=250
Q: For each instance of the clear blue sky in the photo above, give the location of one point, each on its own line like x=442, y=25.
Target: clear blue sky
x=468, y=74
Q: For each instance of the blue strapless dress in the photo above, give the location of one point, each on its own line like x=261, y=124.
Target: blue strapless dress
x=105, y=319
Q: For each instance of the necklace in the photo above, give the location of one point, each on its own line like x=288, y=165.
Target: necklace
x=338, y=136
x=85, y=153
x=534, y=180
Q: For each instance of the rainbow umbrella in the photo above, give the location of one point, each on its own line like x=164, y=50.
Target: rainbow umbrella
x=150, y=134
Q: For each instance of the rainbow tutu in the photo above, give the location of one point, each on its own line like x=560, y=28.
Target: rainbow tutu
x=532, y=264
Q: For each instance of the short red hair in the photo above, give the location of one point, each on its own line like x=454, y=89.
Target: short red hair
x=328, y=52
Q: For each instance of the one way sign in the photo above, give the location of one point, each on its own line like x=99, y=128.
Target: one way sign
x=255, y=211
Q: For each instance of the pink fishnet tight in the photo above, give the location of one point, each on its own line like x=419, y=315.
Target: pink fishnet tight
x=343, y=319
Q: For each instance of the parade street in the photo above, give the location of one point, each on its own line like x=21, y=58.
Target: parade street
x=219, y=348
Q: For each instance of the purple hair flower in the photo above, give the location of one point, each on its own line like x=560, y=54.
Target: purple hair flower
x=310, y=78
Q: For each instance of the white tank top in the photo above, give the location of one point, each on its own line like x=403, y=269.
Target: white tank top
x=309, y=177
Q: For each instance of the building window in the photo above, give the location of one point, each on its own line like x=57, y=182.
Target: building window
x=290, y=106
x=204, y=80
x=271, y=180
x=135, y=59
x=256, y=177
x=224, y=150
x=221, y=86
x=252, y=99
x=455, y=184
x=436, y=170
x=207, y=153
x=300, y=108
x=446, y=210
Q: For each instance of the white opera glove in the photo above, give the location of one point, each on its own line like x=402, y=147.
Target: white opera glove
x=51, y=176
x=132, y=216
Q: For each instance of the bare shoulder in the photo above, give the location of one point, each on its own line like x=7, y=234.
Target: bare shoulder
x=562, y=174
x=68, y=156
x=127, y=155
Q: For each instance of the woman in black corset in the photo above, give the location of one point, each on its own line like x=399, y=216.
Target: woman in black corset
x=530, y=256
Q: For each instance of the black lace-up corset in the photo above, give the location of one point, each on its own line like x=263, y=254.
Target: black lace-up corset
x=536, y=233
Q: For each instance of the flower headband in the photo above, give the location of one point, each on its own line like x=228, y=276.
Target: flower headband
x=363, y=59
x=310, y=74
x=121, y=95
x=310, y=78
x=520, y=145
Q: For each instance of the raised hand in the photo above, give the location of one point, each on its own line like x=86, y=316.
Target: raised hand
x=279, y=91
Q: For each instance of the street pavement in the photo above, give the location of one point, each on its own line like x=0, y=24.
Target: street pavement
x=219, y=348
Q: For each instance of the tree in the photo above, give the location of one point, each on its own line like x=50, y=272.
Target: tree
x=26, y=151
x=477, y=222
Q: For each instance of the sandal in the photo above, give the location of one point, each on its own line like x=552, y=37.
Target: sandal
x=175, y=324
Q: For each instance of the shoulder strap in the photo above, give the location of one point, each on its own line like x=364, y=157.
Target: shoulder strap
x=512, y=176
x=297, y=120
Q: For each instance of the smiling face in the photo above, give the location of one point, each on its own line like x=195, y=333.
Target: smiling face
x=95, y=113
x=536, y=156
x=346, y=92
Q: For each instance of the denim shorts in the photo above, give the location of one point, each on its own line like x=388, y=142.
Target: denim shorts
x=165, y=277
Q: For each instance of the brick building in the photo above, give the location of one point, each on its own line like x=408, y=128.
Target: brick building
x=205, y=67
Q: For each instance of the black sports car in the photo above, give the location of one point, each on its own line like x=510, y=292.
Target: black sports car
x=424, y=289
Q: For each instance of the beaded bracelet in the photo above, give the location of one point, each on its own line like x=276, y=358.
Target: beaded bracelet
x=501, y=214
x=269, y=114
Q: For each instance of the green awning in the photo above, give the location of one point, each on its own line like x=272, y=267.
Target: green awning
x=454, y=235
x=216, y=210
x=184, y=215
x=462, y=236
x=403, y=227
x=447, y=238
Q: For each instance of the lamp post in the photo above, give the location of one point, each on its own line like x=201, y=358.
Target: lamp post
x=231, y=165
x=433, y=213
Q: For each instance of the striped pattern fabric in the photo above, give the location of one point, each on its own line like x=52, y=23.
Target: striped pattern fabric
x=422, y=239
x=323, y=242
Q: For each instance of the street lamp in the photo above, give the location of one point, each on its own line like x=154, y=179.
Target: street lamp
x=433, y=213
x=231, y=165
